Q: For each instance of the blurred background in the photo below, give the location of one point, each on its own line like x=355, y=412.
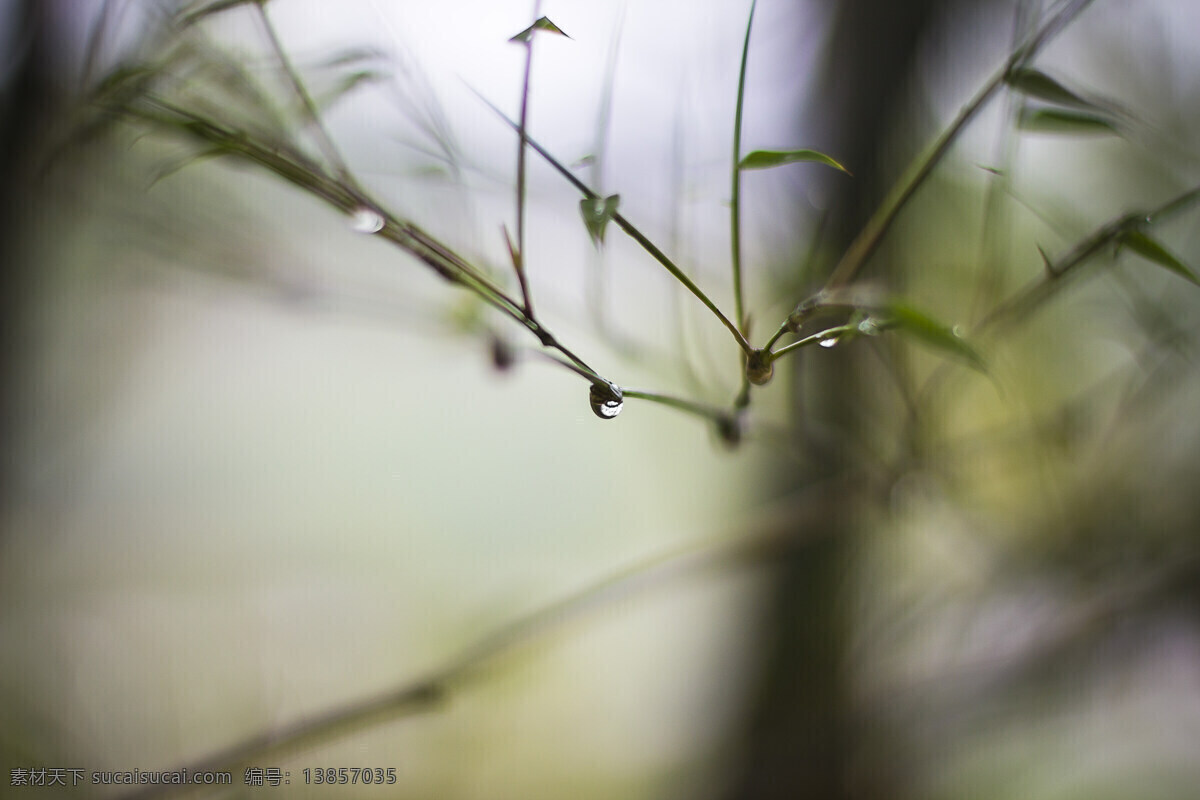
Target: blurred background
x=262, y=467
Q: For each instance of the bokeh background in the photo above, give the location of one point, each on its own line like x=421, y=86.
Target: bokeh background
x=261, y=466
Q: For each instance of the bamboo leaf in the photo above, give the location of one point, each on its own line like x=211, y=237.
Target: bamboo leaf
x=543, y=24
x=1061, y=120
x=764, y=159
x=167, y=170
x=920, y=325
x=353, y=55
x=347, y=85
x=1041, y=86
x=513, y=252
x=123, y=76
x=1151, y=250
x=216, y=7
x=596, y=213
x=1046, y=260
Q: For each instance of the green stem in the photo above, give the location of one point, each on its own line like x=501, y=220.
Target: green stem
x=629, y=230
x=775, y=337
x=597, y=288
x=519, y=255
x=868, y=240
x=581, y=370
x=821, y=336
x=755, y=541
x=1037, y=292
x=994, y=242
x=297, y=169
x=324, y=140
x=1025, y=301
x=735, y=209
x=678, y=403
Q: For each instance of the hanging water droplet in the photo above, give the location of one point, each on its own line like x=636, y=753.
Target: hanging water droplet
x=759, y=367
x=831, y=340
x=365, y=219
x=606, y=399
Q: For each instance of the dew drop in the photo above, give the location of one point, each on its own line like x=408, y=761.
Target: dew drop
x=606, y=399
x=365, y=219
x=830, y=341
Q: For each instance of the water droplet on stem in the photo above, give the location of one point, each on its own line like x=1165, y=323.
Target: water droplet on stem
x=365, y=219
x=606, y=400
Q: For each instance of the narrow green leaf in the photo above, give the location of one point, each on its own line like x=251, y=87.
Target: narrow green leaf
x=428, y=172
x=1049, y=262
x=543, y=24
x=1041, y=86
x=513, y=252
x=122, y=77
x=1061, y=120
x=524, y=36
x=933, y=333
x=353, y=55
x=596, y=213
x=1151, y=250
x=735, y=179
x=216, y=7
x=170, y=169
x=346, y=86
x=764, y=159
